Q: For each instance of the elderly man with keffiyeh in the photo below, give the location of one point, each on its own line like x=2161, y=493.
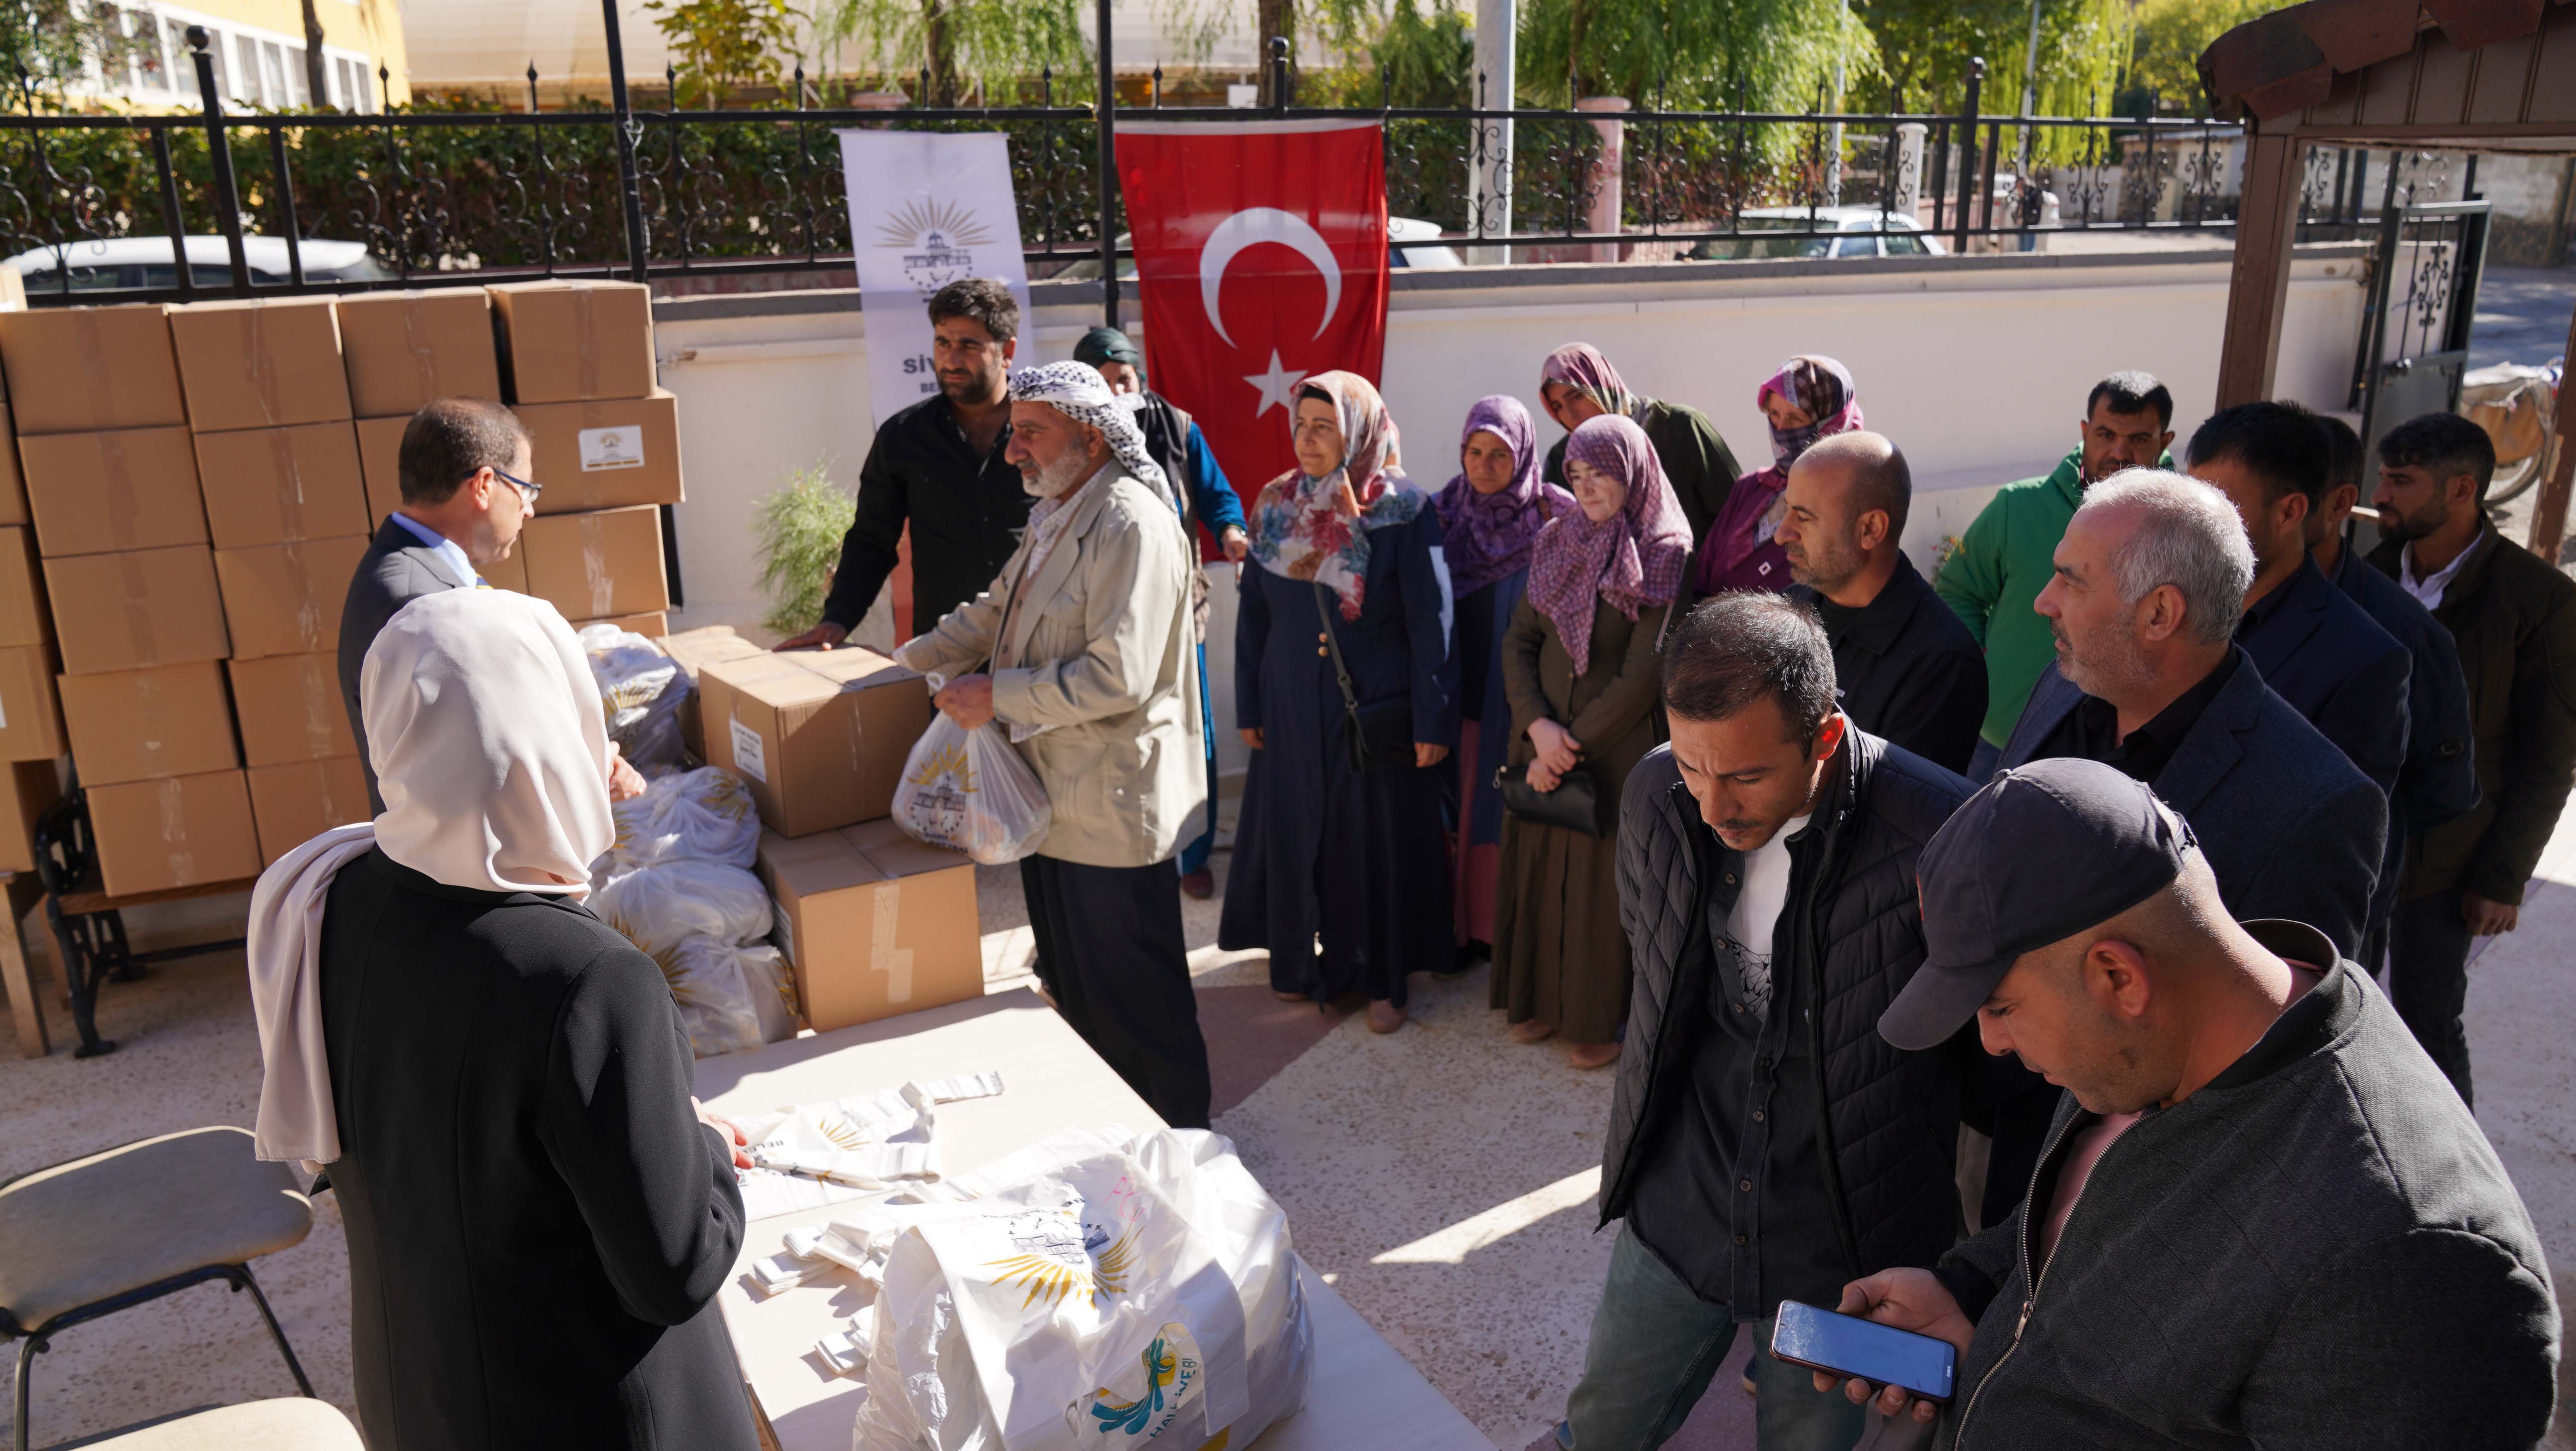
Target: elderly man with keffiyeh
x=1082, y=650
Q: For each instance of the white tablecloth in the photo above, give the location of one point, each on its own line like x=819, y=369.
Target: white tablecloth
x=1365, y=1395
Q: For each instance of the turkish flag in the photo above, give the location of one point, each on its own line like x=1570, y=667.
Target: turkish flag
x=1261, y=258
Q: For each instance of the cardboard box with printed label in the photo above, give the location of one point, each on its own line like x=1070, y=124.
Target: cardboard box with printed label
x=137, y=725
x=652, y=624
x=13, y=488
x=284, y=599
x=604, y=455
x=380, y=461
x=31, y=718
x=81, y=369
x=143, y=607
x=403, y=349
x=872, y=922
x=260, y=362
x=564, y=341
x=95, y=493
x=694, y=650
x=181, y=831
x=23, y=617
x=271, y=485
x=294, y=804
x=819, y=736
x=291, y=710
x=28, y=789
x=594, y=565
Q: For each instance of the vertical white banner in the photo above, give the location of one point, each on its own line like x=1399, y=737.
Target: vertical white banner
x=926, y=208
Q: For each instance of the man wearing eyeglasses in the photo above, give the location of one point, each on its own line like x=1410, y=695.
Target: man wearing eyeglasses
x=465, y=495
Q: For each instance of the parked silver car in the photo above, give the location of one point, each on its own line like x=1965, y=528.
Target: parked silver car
x=1907, y=237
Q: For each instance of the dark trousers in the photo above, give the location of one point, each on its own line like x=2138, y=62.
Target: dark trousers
x=2428, y=979
x=1111, y=954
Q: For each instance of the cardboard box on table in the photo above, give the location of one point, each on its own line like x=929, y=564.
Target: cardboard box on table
x=293, y=804
x=24, y=620
x=83, y=369
x=28, y=789
x=403, y=349
x=272, y=485
x=180, y=831
x=143, y=607
x=98, y=493
x=260, y=363
x=694, y=650
x=137, y=725
x=604, y=454
x=31, y=717
x=284, y=599
x=872, y=922
x=818, y=736
x=290, y=709
x=591, y=566
x=566, y=341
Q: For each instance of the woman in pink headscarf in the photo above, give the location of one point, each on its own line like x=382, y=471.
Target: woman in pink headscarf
x=1579, y=666
x=1577, y=384
x=1811, y=397
x=1342, y=832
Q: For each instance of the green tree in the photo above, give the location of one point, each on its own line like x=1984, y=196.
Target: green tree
x=965, y=45
x=46, y=46
x=1924, y=47
x=719, y=46
x=1772, y=55
x=2171, y=36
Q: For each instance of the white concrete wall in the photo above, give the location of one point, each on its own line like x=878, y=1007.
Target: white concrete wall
x=1977, y=367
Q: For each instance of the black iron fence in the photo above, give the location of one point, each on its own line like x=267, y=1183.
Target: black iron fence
x=320, y=201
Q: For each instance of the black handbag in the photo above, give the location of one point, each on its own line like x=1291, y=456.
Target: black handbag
x=1380, y=734
x=1575, y=805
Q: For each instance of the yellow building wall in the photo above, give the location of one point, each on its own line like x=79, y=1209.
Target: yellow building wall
x=371, y=26
x=372, y=29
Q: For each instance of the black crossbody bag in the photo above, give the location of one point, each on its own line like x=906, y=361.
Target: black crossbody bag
x=1575, y=804
x=1380, y=735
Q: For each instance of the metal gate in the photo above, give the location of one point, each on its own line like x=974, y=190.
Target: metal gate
x=2415, y=325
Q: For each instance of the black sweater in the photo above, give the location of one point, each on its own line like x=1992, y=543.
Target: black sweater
x=965, y=512
x=537, y=1222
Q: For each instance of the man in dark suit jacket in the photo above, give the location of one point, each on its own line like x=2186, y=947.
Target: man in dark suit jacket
x=465, y=495
x=2317, y=648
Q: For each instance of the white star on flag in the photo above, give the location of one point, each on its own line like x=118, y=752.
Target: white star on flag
x=1278, y=387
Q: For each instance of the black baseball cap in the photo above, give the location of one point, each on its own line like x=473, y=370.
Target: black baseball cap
x=2043, y=852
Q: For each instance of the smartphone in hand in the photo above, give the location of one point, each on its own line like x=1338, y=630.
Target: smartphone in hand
x=1853, y=1348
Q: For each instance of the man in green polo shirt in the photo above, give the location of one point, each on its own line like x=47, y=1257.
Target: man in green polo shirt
x=2006, y=557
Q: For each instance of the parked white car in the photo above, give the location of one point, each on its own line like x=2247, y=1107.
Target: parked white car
x=1398, y=229
x=118, y=264
x=1907, y=237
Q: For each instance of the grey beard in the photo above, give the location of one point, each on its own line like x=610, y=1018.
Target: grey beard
x=1068, y=470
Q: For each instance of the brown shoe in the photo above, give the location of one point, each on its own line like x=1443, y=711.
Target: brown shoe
x=1385, y=1017
x=1199, y=884
x=1287, y=997
x=1585, y=1057
x=1532, y=1031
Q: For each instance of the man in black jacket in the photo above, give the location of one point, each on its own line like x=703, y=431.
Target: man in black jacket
x=939, y=467
x=1766, y=883
x=2260, y=1220
x=2317, y=649
x=1909, y=671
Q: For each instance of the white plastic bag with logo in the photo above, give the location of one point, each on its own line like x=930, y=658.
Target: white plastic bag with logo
x=970, y=792
x=1116, y=1295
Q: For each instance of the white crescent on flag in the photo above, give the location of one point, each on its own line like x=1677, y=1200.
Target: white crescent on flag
x=1265, y=224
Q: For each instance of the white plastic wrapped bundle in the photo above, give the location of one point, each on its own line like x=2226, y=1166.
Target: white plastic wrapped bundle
x=641, y=689
x=703, y=921
x=701, y=815
x=1099, y=1293
x=970, y=792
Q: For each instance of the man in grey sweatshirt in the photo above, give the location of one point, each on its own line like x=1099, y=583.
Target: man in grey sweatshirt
x=2262, y=1219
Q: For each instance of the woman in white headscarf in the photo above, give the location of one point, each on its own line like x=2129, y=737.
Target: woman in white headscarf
x=496, y=1081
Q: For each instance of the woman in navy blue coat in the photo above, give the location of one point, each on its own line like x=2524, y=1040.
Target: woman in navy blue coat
x=1355, y=852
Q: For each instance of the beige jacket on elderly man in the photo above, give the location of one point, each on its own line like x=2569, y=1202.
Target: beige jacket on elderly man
x=1099, y=650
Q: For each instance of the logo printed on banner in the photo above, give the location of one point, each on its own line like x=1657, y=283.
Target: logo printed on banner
x=1261, y=258
x=938, y=241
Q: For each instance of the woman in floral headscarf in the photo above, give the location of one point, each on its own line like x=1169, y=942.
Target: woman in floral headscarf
x=1342, y=829
x=1580, y=666
x=1811, y=397
x=1577, y=384
x=1490, y=516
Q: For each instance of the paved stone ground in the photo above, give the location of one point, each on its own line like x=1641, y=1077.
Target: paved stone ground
x=1441, y=1177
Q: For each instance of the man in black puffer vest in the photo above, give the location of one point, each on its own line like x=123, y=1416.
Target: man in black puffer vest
x=1766, y=882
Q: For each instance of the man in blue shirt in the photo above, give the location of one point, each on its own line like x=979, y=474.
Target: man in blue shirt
x=1205, y=498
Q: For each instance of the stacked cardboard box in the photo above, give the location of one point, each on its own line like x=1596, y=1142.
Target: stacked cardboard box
x=403, y=349
x=577, y=367
x=128, y=594
x=872, y=922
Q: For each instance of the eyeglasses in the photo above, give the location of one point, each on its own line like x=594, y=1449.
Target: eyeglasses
x=528, y=490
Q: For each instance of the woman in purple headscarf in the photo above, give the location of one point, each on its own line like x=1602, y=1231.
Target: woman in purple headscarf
x=1579, y=664
x=1811, y=397
x=1490, y=515
x=1577, y=384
